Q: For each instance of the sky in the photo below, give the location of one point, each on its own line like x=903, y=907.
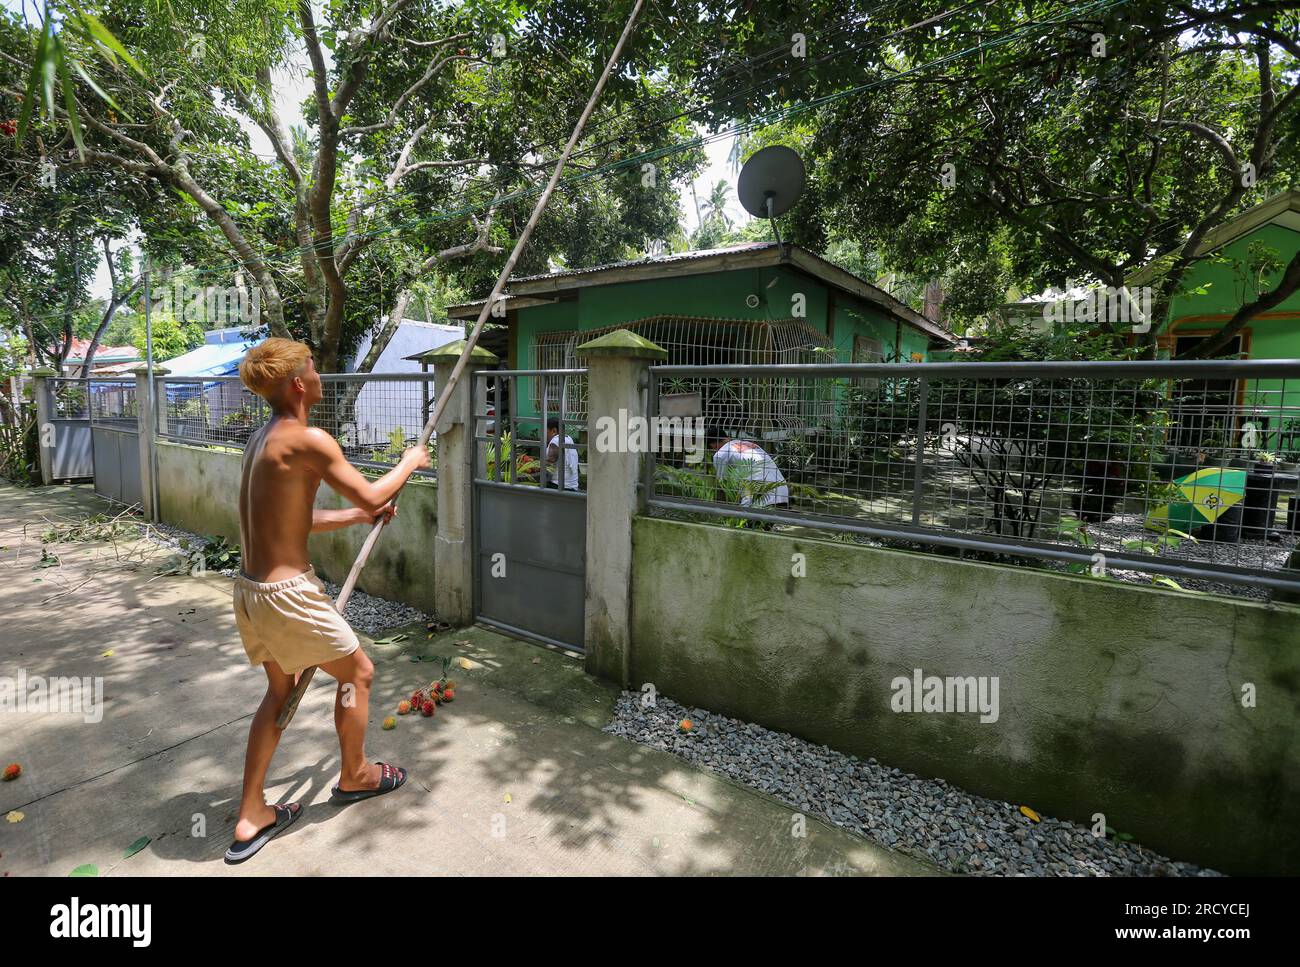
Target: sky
x=294, y=86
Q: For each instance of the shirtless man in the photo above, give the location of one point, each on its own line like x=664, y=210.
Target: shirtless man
x=285, y=618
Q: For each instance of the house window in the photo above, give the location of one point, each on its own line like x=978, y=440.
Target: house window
x=1205, y=413
x=867, y=350
x=554, y=350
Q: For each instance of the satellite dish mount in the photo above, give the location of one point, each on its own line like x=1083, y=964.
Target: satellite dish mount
x=770, y=183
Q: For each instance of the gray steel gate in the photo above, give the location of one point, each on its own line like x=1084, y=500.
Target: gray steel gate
x=115, y=438
x=70, y=453
x=530, y=537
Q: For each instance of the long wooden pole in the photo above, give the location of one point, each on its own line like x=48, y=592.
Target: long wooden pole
x=300, y=687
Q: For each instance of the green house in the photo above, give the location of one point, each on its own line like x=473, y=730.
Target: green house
x=759, y=303
x=1218, y=285
x=1228, y=277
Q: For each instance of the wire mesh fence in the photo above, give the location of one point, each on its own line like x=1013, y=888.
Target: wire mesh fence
x=69, y=398
x=1182, y=473
x=374, y=416
x=112, y=402
x=525, y=443
x=688, y=340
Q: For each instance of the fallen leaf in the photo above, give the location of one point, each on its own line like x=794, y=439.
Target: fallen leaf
x=1026, y=811
x=135, y=847
x=466, y=663
x=107, y=654
x=86, y=869
x=537, y=661
x=507, y=797
x=15, y=816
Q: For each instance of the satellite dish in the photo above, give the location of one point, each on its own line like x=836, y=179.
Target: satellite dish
x=771, y=182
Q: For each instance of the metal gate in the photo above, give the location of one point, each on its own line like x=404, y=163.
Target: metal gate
x=530, y=536
x=70, y=450
x=115, y=439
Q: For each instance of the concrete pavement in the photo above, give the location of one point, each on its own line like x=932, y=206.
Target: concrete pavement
x=515, y=777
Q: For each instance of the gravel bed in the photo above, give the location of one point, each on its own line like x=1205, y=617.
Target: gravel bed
x=365, y=612
x=1111, y=534
x=924, y=818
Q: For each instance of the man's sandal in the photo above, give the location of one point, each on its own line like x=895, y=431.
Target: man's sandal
x=390, y=777
x=284, y=817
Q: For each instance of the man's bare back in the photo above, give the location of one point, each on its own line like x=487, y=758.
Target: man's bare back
x=274, y=527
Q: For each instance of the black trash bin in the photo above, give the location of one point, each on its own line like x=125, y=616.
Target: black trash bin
x=1259, y=508
x=1226, y=529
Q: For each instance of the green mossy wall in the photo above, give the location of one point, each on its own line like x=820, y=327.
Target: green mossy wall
x=1113, y=699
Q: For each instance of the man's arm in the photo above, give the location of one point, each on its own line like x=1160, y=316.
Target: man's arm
x=345, y=480
x=332, y=520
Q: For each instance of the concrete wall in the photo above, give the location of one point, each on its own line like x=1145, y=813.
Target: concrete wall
x=199, y=490
x=1113, y=699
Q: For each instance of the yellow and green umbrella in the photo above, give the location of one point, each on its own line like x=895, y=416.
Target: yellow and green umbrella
x=1209, y=494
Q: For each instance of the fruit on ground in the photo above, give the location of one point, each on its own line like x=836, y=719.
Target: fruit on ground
x=403, y=707
x=417, y=698
x=427, y=708
x=13, y=771
x=686, y=725
x=449, y=695
x=390, y=723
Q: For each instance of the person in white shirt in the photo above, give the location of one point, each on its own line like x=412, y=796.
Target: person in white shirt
x=747, y=462
x=553, y=455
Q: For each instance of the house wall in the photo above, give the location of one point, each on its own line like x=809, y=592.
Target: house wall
x=1112, y=699
x=199, y=491
x=1271, y=335
x=1225, y=292
x=715, y=294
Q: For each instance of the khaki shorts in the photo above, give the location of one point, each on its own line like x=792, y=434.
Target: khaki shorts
x=292, y=623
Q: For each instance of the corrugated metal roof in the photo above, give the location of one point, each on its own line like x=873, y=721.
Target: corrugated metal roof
x=671, y=259
x=210, y=359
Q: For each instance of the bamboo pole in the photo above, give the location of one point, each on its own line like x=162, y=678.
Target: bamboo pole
x=304, y=679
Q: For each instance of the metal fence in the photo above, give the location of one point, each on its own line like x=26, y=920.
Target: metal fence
x=374, y=417
x=113, y=402
x=510, y=426
x=69, y=398
x=1181, y=473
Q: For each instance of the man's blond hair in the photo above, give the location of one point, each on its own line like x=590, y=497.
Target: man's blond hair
x=270, y=363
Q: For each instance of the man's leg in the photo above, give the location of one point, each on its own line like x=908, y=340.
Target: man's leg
x=351, y=710
x=263, y=737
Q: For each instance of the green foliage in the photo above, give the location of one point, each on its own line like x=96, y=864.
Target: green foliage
x=516, y=467
x=212, y=554
x=1066, y=166
x=171, y=338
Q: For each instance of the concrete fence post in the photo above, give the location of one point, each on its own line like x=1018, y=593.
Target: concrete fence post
x=453, y=545
x=146, y=423
x=616, y=365
x=44, y=420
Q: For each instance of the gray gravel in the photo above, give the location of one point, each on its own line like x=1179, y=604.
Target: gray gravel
x=1272, y=555
x=365, y=612
x=925, y=818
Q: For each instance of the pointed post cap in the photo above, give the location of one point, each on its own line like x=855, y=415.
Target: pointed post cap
x=142, y=369
x=450, y=352
x=42, y=371
x=622, y=343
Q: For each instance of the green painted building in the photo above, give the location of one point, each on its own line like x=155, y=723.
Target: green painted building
x=756, y=303
x=1214, y=289
x=1221, y=283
